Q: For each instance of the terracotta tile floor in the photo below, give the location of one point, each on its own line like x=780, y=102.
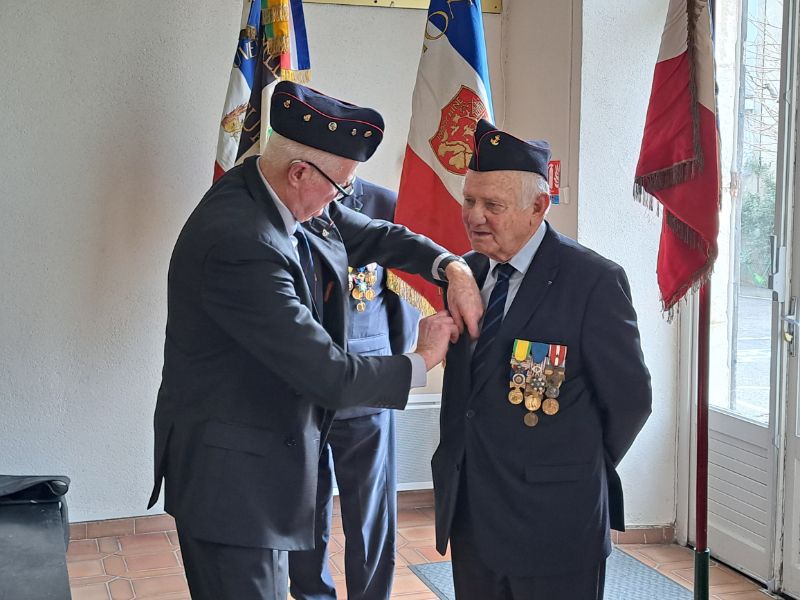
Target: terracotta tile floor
x=140, y=559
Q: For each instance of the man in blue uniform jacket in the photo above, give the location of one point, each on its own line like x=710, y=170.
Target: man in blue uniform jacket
x=254, y=358
x=361, y=445
x=538, y=413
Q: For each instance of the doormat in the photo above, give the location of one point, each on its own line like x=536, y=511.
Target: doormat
x=626, y=579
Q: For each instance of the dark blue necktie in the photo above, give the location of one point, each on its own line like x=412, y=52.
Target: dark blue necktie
x=307, y=264
x=493, y=317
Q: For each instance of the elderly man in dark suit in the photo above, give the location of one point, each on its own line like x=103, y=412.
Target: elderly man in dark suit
x=254, y=360
x=361, y=446
x=538, y=413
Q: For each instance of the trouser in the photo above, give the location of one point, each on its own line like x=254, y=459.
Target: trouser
x=221, y=572
x=361, y=450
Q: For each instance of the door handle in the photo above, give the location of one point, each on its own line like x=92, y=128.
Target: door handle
x=791, y=325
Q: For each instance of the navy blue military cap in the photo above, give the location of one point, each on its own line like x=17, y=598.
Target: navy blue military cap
x=496, y=150
x=314, y=119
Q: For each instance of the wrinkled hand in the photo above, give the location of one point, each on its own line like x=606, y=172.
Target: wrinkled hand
x=435, y=334
x=464, y=298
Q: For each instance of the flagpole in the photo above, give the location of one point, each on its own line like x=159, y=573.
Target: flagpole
x=701, y=551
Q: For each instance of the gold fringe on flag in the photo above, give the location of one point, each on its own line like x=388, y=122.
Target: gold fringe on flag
x=278, y=45
x=273, y=14
x=303, y=76
x=249, y=33
x=409, y=294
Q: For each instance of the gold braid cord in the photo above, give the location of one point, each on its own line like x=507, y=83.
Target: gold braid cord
x=409, y=294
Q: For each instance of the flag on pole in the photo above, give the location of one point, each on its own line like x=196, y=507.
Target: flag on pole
x=272, y=46
x=450, y=95
x=679, y=158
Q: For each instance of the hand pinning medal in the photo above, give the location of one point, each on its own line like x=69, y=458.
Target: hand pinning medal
x=537, y=372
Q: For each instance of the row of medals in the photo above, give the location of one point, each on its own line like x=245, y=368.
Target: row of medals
x=361, y=284
x=538, y=387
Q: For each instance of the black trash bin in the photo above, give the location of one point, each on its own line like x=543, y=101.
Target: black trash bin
x=34, y=535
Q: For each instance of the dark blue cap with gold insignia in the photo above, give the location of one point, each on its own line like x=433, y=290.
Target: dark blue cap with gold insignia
x=497, y=150
x=314, y=119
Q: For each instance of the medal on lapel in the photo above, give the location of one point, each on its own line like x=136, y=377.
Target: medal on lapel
x=554, y=374
x=520, y=364
x=537, y=372
x=361, y=283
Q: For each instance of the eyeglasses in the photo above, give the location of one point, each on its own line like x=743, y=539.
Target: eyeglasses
x=344, y=192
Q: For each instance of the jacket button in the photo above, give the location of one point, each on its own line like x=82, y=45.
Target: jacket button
x=470, y=413
x=290, y=442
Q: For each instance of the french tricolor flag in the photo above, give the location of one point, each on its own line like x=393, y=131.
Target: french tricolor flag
x=679, y=158
x=450, y=95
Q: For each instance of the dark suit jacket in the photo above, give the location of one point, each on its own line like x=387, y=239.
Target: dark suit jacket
x=387, y=325
x=539, y=498
x=246, y=365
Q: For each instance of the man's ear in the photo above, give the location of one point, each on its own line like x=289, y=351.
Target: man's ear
x=541, y=205
x=296, y=173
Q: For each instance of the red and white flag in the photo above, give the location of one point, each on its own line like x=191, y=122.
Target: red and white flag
x=450, y=95
x=679, y=158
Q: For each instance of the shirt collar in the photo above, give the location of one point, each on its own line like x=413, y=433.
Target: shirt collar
x=288, y=218
x=521, y=261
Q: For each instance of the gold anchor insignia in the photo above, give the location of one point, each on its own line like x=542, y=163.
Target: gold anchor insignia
x=306, y=118
x=332, y=126
x=287, y=103
x=495, y=140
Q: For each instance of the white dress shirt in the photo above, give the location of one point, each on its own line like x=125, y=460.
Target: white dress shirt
x=521, y=262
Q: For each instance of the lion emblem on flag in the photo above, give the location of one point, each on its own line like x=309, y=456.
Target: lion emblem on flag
x=233, y=121
x=453, y=143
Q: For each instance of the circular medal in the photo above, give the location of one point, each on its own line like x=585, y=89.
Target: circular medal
x=551, y=391
x=531, y=419
x=518, y=379
x=515, y=396
x=357, y=293
x=369, y=294
x=548, y=370
x=550, y=407
x=361, y=306
x=533, y=402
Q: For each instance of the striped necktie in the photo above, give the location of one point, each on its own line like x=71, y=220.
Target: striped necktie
x=493, y=317
x=307, y=263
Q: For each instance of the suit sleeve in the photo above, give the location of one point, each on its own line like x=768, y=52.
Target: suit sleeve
x=249, y=292
x=390, y=245
x=613, y=357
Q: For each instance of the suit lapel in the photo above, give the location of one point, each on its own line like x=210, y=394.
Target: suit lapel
x=355, y=200
x=279, y=237
x=329, y=247
x=459, y=355
x=532, y=291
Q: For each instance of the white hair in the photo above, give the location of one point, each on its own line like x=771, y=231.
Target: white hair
x=532, y=185
x=281, y=151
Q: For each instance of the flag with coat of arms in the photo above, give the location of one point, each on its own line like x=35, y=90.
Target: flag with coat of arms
x=272, y=46
x=450, y=95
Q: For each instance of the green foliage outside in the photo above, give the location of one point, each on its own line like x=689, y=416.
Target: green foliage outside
x=757, y=222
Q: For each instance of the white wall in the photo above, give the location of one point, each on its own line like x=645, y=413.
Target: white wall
x=109, y=113
x=541, y=97
x=110, y=126
x=617, y=71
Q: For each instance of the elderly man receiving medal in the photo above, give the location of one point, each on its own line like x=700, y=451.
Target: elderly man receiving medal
x=255, y=360
x=534, y=419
